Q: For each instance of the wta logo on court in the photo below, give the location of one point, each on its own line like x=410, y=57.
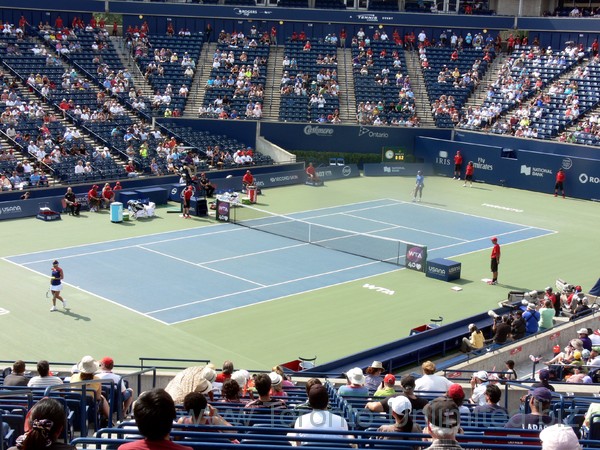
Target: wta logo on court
x=416, y=257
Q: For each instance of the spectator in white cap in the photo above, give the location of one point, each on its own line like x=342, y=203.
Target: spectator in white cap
x=374, y=376
x=559, y=437
x=531, y=317
x=584, y=336
x=400, y=408
x=479, y=382
x=356, y=384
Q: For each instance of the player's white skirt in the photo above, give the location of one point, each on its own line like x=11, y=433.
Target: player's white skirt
x=56, y=288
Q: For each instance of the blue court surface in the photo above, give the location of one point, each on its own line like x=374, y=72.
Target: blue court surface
x=181, y=275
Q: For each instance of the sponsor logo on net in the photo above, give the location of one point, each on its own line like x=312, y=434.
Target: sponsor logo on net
x=414, y=255
x=585, y=178
x=567, y=163
x=372, y=134
x=10, y=210
x=316, y=130
x=535, y=171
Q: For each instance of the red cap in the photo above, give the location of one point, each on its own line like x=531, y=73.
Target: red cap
x=456, y=392
x=494, y=239
x=389, y=378
x=95, y=186
x=108, y=362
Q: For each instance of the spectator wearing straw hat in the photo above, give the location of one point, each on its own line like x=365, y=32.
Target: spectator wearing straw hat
x=192, y=379
x=87, y=369
x=559, y=437
x=374, y=377
x=443, y=424
x=355, y=386
x=429, y=381
x=401, y=409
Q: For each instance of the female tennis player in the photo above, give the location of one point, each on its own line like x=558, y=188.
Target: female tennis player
x=56, y=285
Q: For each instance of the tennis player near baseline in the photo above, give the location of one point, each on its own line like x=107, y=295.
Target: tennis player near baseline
x=56, y=285
x=419, y=185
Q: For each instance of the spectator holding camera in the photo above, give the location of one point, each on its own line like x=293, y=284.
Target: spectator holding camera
x=517, y=327
x=501, y=329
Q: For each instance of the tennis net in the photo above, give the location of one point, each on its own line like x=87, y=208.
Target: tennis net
x=377, y=248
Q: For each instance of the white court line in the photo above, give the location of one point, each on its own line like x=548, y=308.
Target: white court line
x=183, y=305
x=245, y=255
x=422, y=205
x=202, y=266
x=108, y=250
x=285, y=296
x=487, y=238
x=394, y=226
x=93, y=294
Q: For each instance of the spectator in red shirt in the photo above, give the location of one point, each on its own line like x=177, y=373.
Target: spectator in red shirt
x=495, y=261
x=560, y=180
x=58, y=23
x=130, y=169
x=117, y=186
x=225, y=373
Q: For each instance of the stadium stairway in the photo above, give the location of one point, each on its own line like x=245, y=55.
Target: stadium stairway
x=491, y=75
x=347, y=95
x=139, y=82
x=272, y=95
x=197, y=91
x=417, y=83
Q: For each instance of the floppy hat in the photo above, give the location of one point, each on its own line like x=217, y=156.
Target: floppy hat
x=87, y=365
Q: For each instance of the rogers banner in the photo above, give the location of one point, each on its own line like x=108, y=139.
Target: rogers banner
x=416, y=257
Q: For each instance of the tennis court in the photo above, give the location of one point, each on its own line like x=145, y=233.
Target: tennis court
x=177, y=276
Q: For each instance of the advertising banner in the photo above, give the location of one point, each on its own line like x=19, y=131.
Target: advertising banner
x=416, y=257
x=395, y=169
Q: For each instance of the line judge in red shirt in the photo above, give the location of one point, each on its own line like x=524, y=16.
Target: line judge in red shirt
x=458, y=160
x=247, y=180
x=495, y=261
x=312, y=173
x=187, y=201
x=560, y=182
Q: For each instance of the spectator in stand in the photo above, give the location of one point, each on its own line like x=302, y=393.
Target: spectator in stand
x=510, y=374
x=387, y=387
x=130, y=169
x=457, y=394
x=531, y=317
x=262, y=383
x=287, y=381
x=309, y=384
x=86, y=371
x=227, y=369
x=539, y=417
x=44, y=378
x=501, y=329
x=429, y=382
x=474, y=342
x=154, y=413
x=200, y=412
x=319, y=418
x=559, y=437
x=193, y=379
x=583, y=336
x=231, y=392
x=408, y=387
x=276, y=385
x=43, y=425
x=443, y=424
x=355, y=386
x=106, y=365
x=546, y=316
x=492, y=394
x=479, y=383
x=374, y=376
x=518, y=326
x=17, y=376
x=401, y=409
